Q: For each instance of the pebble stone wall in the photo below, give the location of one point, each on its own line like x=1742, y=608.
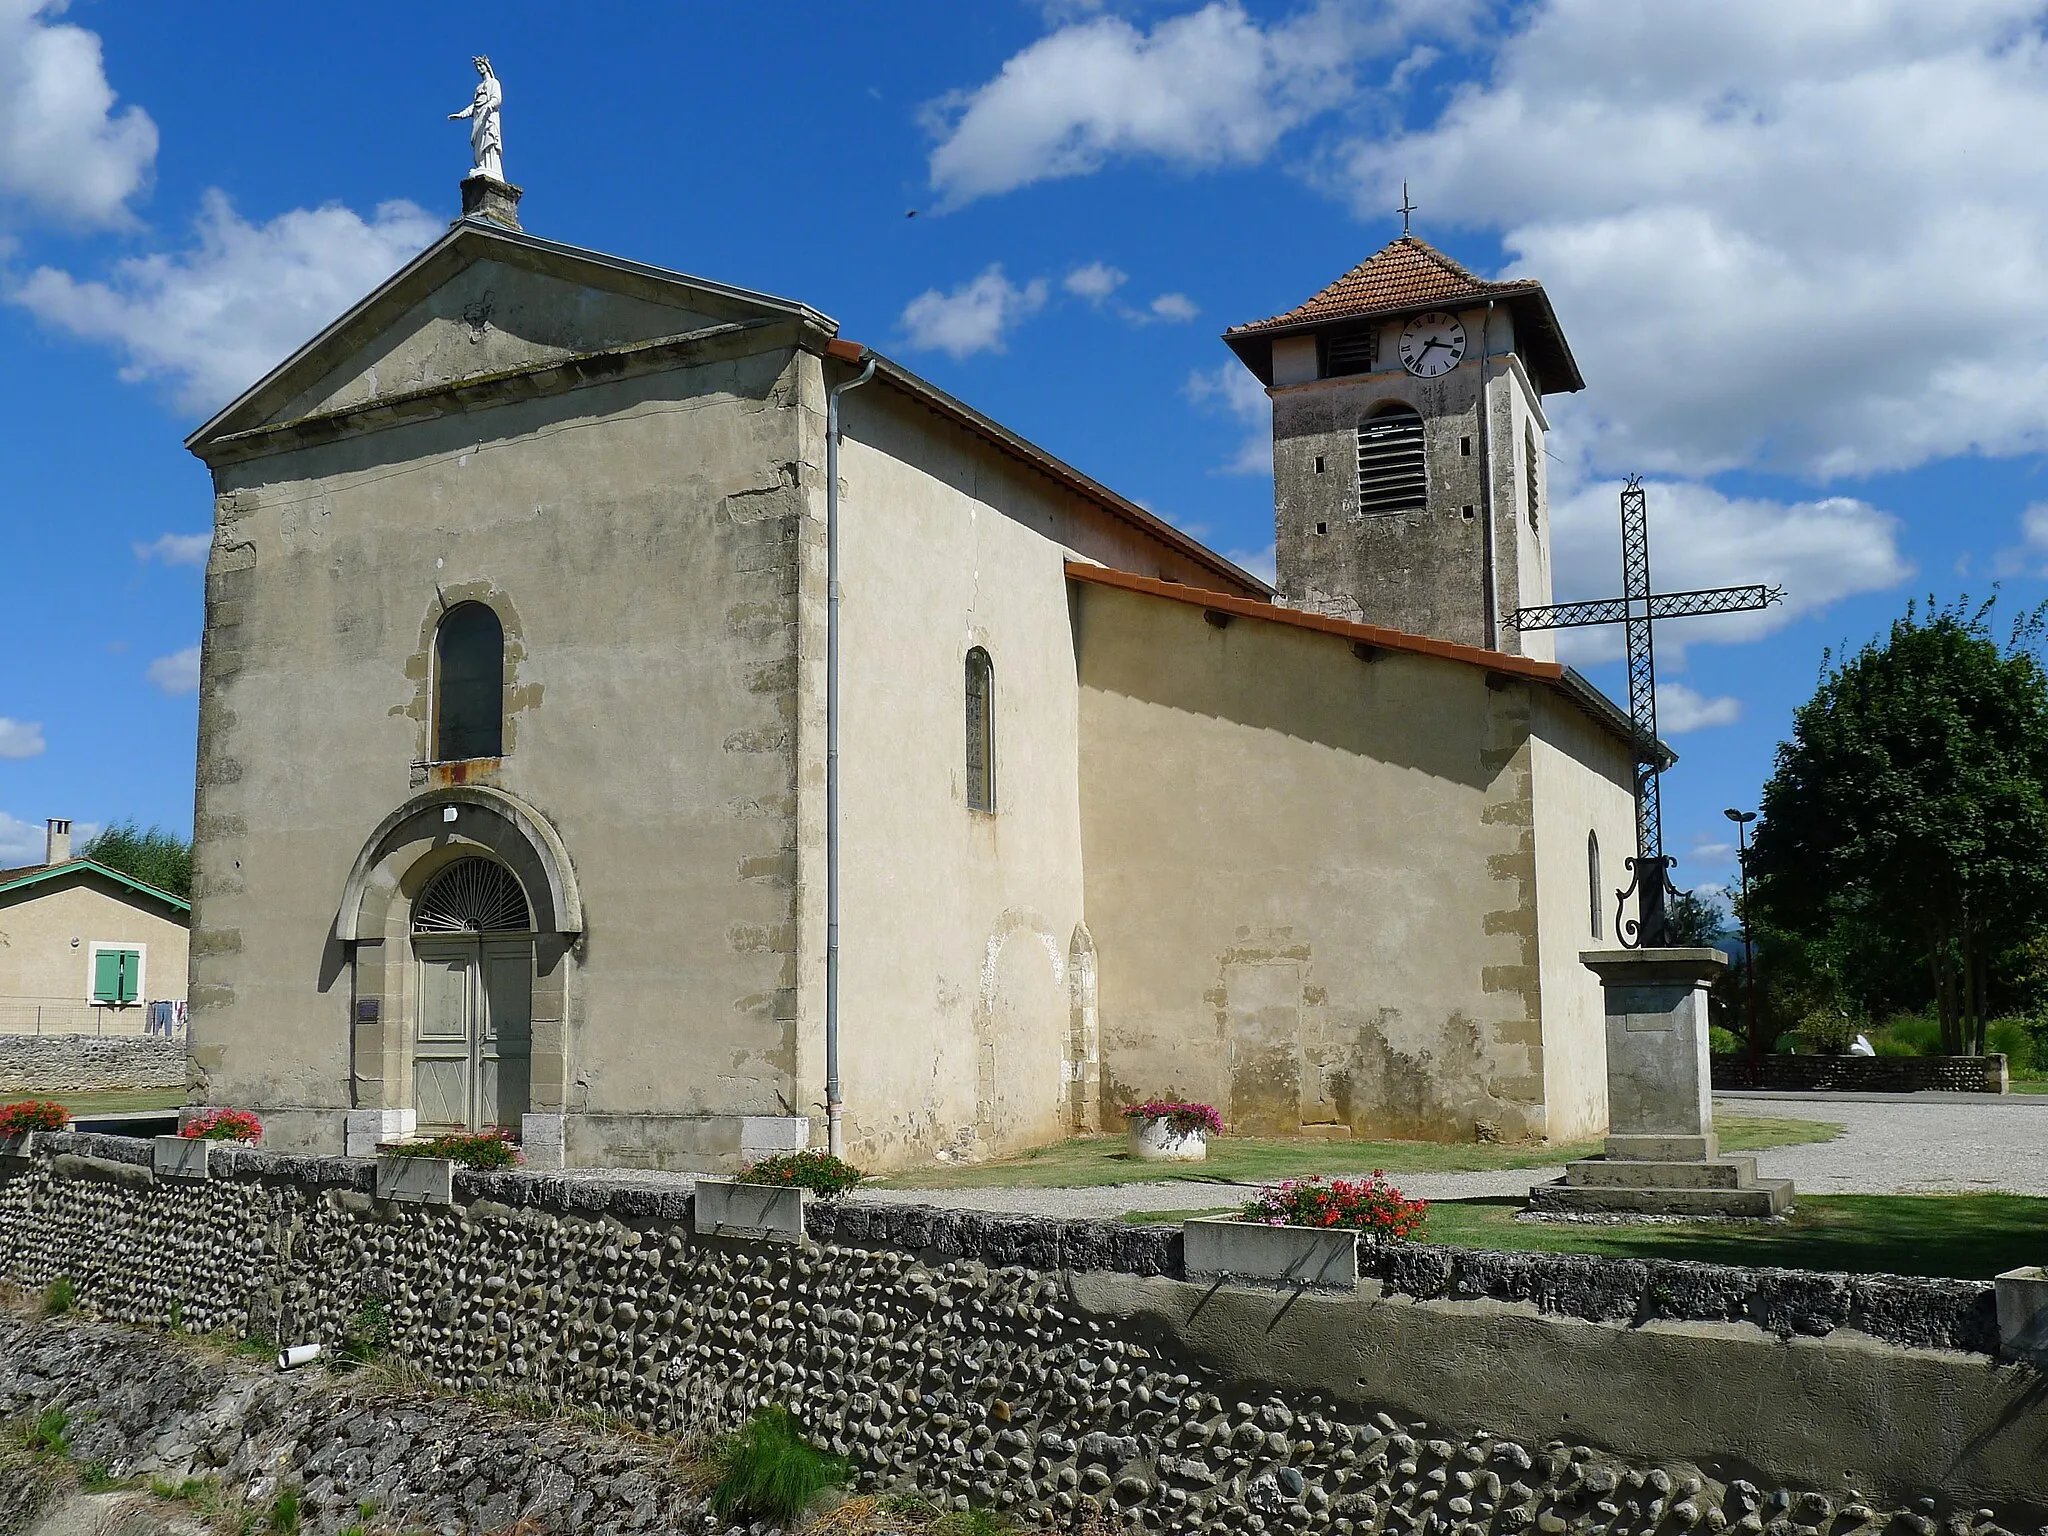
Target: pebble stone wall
x=979, y=1384
x=87, y=1063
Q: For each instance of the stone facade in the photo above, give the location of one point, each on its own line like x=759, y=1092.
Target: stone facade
x=89, y=1063
x=1053, y=1369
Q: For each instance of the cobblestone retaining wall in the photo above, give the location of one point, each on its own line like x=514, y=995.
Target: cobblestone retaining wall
x=1866, y=1074
x=88, y=1063
x=938, y=1350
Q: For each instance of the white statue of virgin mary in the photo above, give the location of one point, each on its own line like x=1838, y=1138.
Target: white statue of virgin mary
x=486, y=136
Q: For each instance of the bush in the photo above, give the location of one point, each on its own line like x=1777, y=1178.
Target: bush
x=1181, y=1116
x=1725, y=1042
x=60, y=1298
x=33, y=1115
x=1828, y=1032
x=224, y=1125
x=1908, y=1034
x=480, y=1149
x=824, y=1175
x=1364, y=1205
x=770, y=1472
x=48, y=1432
x=2022, y=1040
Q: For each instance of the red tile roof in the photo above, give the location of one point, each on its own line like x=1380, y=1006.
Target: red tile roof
x=1404, y=274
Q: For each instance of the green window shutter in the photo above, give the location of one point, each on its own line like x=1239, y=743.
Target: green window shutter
x=114, y=975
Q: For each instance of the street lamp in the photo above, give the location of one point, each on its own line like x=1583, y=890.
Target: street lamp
x=1742, y=819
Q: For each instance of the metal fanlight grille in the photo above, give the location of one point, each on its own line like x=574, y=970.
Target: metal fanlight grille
x=472, y=896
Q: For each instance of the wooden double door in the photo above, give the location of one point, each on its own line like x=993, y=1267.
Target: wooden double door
x=473, y=1046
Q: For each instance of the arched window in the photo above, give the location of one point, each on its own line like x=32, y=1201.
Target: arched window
x=469, y=671
x=1392, y=475
x=472, y=896
x=1529, y=452
x=1593, y=892
x=981, y=736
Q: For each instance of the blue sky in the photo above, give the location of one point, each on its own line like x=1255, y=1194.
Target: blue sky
x=1801, y=253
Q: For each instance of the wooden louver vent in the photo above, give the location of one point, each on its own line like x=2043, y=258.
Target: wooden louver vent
x=1392, y=474
x=472, y=896
x=1350, y=352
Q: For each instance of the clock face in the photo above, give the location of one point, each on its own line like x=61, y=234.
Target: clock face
x=1432, y=344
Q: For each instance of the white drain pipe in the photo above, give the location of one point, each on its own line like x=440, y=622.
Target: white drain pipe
x=835, y=1106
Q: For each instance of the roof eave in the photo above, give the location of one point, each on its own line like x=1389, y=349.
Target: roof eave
x=93, y=866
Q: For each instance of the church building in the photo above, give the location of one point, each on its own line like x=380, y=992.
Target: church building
x=512, y=776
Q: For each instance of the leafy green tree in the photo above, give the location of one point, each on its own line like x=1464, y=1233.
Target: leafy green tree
x=155, y=857
x=1908, y=815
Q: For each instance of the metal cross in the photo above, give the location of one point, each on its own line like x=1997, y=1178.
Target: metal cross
x=1636, y=610
x=1406, y=208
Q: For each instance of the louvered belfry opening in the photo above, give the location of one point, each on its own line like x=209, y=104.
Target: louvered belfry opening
x=1392, y=474
x=472, y=896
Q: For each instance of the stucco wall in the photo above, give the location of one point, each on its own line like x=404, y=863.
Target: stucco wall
x=41, y=967
x=957, y=925
x=1583, y=783
x=1310, y=876
x=636, y=538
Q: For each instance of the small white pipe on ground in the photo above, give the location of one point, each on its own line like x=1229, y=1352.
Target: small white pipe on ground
x=297, y=1355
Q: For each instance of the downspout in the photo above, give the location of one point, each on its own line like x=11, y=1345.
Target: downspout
x=1492, y=564
x=835, y=1107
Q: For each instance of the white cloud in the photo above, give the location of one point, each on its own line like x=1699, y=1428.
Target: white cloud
x=1176, y=307
x=176, y=548
x=21, y=842
x=1207, y=88
x=973, y=317
x=176, y=673
x=1681, y=709
x=216, y=317
x=1709, y=852
x=2030, y=556
x=1818, y=551
x=21, y=738
x=1094, y=282
x=1258, y=561
x=1804, y=238
x=1232, y=390
x=64, y=150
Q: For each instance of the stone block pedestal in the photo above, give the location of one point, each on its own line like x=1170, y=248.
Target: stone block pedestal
x=1663, y=1158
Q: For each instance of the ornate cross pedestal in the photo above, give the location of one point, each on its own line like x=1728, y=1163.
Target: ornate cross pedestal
x=1662, y=1156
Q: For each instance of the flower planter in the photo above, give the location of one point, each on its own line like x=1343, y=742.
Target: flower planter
x=2023, y=1315
x=423, y=1180
x=1156, y=1141
x=1218, y=1248
x=725, y=1207
x=184, y=1157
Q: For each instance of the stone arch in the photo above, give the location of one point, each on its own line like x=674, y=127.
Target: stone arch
x=373, y=923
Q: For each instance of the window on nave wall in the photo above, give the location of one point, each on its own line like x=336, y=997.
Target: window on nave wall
x=469, y=689
x=981, y=743
x=1593, y=881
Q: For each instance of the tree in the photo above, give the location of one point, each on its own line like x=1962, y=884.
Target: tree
x=1907, y=815
x=155, y=857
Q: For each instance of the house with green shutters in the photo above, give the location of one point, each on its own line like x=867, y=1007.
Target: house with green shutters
x=85, y=949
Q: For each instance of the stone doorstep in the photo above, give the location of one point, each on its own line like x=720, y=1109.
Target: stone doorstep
x=1766, y=1197
x=1617, y=1173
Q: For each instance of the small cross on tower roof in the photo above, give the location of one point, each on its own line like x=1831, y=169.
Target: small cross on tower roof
x=1406, y=209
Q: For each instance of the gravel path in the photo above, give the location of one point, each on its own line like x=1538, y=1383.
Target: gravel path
x=1917, y=1144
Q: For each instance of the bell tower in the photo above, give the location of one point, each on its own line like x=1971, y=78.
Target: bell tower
x=1409, y=486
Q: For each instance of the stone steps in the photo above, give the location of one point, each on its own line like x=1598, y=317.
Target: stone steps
x=1764, y=1197
x=1616, y=1173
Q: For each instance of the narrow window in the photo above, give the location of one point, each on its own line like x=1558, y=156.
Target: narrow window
x=469, y=708
x=1593, y=881
x=1529, y=453
x=981, y=742
x=1350, y=352
x=1392, y=474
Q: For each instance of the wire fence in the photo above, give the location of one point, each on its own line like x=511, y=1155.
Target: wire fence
x=68, y=1016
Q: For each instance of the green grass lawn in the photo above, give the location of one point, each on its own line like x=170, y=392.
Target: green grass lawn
x=2030, y=1085
x=1095, y=1160
x=120, y=1102
x=1967, y=1237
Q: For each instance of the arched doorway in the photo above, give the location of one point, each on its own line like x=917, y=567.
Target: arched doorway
x=472, y=1047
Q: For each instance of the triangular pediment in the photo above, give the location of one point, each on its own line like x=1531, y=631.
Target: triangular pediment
x=482, y=302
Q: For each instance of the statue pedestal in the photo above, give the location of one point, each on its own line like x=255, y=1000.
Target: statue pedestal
x=486, y=197
x=1662, y=1156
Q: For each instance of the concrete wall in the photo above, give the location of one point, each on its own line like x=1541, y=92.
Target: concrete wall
x=1311, y=878
x=1582, y=782
x=48, y=933
x=957, y=924
x=637, y=539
